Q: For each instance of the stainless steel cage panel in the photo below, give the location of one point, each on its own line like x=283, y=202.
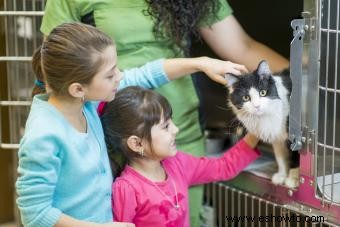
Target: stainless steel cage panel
x=22, y=19
x=239, y=208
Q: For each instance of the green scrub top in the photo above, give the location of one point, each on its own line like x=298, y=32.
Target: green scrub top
x=125, y=22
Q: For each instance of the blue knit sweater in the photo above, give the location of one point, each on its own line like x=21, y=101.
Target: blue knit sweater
x=64, y=171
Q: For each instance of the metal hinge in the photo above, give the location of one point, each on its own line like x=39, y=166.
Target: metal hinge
x=310, y=26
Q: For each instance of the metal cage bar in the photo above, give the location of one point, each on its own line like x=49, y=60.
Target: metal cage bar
x=239, y=208
x=22, y=19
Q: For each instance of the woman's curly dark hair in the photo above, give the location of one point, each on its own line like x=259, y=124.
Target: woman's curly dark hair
x=179, y=19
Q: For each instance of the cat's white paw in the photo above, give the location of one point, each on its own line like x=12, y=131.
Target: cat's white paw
x=279, y=178
x=292, y=180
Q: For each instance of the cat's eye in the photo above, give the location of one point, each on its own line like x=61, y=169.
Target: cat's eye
x=246, y=98
x=263, y=93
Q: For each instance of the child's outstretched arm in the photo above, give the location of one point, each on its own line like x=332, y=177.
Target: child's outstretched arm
x=159, y=72
x=214, y=68
x=230, y=164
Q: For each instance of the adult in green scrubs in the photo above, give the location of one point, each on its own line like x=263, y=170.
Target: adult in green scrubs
x=131, y=27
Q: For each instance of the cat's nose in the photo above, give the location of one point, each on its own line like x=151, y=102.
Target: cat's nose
x=257, y=106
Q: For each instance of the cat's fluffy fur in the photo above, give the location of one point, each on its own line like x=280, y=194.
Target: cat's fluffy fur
x=261, y=102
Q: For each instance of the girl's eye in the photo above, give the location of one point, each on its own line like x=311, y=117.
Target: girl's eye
x=246, y=98
x=263, y=93
x=166, y=126
x=110, y=76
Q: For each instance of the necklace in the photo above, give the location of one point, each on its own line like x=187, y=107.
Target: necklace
x=176, y=206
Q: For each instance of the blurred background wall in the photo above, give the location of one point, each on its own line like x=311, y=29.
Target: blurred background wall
x=6, y=156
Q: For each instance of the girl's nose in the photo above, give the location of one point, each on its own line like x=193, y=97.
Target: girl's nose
x=175, y=129
x=119, y=76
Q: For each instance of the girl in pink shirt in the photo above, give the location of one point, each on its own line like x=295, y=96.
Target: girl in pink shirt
x=152, y=189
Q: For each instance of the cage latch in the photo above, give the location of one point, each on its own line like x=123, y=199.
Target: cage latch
x=296, y=51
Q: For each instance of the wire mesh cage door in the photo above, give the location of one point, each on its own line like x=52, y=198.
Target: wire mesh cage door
x=319, y=109
x=327, y=164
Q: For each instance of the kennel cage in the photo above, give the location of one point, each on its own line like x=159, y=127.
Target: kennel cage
x=315, y=130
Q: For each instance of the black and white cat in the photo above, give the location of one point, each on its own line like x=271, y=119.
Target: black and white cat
x=261, y=102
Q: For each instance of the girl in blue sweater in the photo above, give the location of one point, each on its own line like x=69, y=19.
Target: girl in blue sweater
x=64, y=172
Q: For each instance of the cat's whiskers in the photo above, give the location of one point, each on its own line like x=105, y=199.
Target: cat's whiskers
x=251, y=122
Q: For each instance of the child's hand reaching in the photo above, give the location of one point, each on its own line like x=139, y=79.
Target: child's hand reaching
x=216, y=69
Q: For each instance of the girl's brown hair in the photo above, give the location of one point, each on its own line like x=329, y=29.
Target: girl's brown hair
x=36, y=65
x=70, y=53
x=133, y=112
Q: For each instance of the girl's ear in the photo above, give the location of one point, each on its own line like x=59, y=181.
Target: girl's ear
x=76, y=90
x=135, y=143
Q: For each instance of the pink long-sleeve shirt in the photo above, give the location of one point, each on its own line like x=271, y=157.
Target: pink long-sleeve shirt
x=145, y=203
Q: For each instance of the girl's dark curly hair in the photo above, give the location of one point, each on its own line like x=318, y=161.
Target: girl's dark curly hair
x=179, y=19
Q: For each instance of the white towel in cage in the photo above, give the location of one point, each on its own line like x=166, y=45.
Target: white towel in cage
x=327, y=190
x=265, y=166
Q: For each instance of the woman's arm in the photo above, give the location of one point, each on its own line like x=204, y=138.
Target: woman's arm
x=228, y=40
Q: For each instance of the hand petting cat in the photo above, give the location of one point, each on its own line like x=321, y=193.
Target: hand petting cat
x=216, y=69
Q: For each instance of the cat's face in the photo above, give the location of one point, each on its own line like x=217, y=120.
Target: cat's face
x=254, y=93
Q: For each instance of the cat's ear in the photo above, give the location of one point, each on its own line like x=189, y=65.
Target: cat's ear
x=231, y=79
x=263, y=70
